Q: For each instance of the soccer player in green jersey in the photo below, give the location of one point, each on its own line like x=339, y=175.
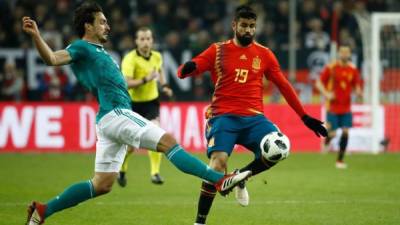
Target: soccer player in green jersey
x=116, y=124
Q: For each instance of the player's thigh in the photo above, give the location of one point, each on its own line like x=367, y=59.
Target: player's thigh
x=251, y=137
x=221, y=135
x=127, y=127
x=109, y=153
x=333, y=120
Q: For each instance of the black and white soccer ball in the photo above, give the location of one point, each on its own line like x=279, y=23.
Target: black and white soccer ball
x=275, y=146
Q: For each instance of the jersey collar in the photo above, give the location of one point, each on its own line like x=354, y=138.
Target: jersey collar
x=98, y=45
x=146, y=58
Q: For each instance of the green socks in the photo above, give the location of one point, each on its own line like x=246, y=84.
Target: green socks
x=71, y=196
x=191, y=165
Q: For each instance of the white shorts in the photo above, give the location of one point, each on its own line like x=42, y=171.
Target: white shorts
x=116, y=130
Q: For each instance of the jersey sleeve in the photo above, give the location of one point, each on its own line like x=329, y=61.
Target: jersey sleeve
x=128, y=66
x=275, y=75
x=76, y=50
x=204, y=62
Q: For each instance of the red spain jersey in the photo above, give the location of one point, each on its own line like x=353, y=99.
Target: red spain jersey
x=340, y=79
x=237, y=73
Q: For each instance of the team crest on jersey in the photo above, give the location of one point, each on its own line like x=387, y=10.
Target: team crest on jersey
x=256, y=63
x=211, y=143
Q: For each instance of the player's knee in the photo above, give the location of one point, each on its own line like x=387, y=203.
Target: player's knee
x=219, y=161
x=166, y=142
x=102, y=188
x=102, y=183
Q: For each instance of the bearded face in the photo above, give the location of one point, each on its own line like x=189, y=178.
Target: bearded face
x=244, y=30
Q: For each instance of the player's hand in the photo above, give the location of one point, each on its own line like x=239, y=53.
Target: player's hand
x=329, y=95
x=153, y=75
x=167, y=91
x=29, y=26
x=188, y=68
x=315, y=125
x=359, y=97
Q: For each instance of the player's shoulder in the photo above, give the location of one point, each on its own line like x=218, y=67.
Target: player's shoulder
x=332, y=64
x=79, y=43
x=131, y=54
x=260, y=46
x=264, y=49
x=352, y=65
x=156, y=54
x=221, y=43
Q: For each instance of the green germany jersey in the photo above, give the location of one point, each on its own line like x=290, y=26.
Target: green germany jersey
x=98, y=72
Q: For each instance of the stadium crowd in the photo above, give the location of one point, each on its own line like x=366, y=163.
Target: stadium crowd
x=177, y=25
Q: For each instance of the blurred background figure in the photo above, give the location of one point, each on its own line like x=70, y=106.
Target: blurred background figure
x=55, y=85
x=11, y=83
x=337, y=82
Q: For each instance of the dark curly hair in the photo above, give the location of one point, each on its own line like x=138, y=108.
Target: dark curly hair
x=85, y=14
x=246, y=12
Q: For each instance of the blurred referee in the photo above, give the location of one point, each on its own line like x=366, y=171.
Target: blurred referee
x=142, y=67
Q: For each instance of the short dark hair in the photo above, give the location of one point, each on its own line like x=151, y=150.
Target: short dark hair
x=345, y=45
x=246, y=12
x=85, y=14
x=144, y=28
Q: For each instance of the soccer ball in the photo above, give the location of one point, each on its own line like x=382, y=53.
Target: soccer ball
x=275, y=146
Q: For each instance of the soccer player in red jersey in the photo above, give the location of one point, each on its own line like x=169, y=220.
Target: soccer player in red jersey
x=236, y=116
x=336, y=83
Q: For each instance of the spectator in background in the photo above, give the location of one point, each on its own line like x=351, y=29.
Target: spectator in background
x=214, y=11
x=192, y=33
x=346, y=37
x=174, y=44
x=201, y=42
x=162, y=19
x=308, y=11
x=267, y=36
x=218, y=32
x=317, y=38
x=12, y=83
x=55, y=84
x=52, y=36
x=281, y=21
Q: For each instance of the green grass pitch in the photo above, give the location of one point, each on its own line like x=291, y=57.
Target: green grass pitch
x=305, y=189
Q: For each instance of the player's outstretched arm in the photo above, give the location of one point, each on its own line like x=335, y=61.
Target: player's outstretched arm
x=203, y=62
x=51, y=58
x=288, y=92
x=290, y=95
x=321, y=88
